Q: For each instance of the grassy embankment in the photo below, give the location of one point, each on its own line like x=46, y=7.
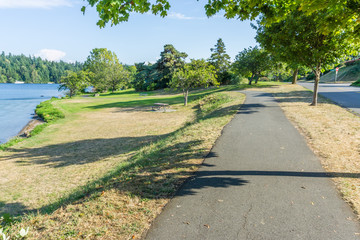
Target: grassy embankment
x=107, y=169
x=332, y=132
x=346, y=74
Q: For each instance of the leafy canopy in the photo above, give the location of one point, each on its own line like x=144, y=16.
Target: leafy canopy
x=74, y=82
x=197, y=73
x=105, y=66
x=344, y=14
x=297, y=40
x=251, y=62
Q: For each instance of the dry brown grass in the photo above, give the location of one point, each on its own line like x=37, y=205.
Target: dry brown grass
x=123, y=203
x=77, y=152
x=332, y=132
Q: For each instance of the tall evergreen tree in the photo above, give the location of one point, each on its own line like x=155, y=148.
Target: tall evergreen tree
x=221, y=61
x=170, y=60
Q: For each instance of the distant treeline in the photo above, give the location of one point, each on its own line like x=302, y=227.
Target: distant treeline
x=33, y=69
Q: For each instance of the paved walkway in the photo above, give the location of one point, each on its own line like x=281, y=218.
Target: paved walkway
x=260, y=181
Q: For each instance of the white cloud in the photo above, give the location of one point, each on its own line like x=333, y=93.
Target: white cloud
x=50, y=54
x=181, y=16
x=35, y=3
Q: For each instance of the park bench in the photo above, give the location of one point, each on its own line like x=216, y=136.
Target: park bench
x=159, y=106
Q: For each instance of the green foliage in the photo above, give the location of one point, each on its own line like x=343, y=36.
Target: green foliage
x=298, y=41
x=340, y=16
x=32, y=70
x=74, y=82
x=145, y=77
x=194, y=74
x=221, y=61
x=170, y=61
x=356, y=84
x=155, y=76
x=119, y=11
x=48, y=112
x=310, y=76
x=251, y=62
x=107, y=72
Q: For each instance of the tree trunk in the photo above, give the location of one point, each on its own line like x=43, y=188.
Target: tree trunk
x=250, y=81
x=256, y=79
x=295, y=76
x=186, y=94
x=316, y=85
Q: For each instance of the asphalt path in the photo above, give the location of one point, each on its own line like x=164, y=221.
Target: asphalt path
x=260, y=181
x=342, y=94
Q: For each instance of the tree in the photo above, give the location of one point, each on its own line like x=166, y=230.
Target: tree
x=170, y=61
x=197, y=73
x=340, y=15
x=145, y=77
x=221, y=61
x=118, y=76
x=150, y=77
x=74, y=82
x=104, y=65
x=297, y=40
x=251, y=62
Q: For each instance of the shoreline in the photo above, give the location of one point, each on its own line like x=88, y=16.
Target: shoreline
x=26, y=130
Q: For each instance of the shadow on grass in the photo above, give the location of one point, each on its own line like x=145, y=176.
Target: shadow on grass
x=78, y=153
x=11, y=208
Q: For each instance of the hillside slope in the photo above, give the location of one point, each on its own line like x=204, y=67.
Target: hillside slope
x=345, y=74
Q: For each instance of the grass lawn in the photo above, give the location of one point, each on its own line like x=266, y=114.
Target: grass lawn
x=107, y=169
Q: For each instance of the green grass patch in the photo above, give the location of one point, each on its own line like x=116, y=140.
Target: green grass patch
x=11, y=143
x=48, y=112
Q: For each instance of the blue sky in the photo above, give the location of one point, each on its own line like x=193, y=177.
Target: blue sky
x=56, y=29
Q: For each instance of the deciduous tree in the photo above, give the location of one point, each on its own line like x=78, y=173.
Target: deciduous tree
x=197, y=73
x=74, y=82
x=297, y=40
x=105, y=66
x=252, y=62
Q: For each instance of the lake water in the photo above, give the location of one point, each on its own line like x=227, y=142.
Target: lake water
x=17, y=105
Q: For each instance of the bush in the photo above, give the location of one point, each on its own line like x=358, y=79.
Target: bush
x=311, y=76
x=48, y=112
x=356, y=84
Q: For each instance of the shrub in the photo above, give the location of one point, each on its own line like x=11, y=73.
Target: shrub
x=356, y=84
x=48, y=112
x=311, y=76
